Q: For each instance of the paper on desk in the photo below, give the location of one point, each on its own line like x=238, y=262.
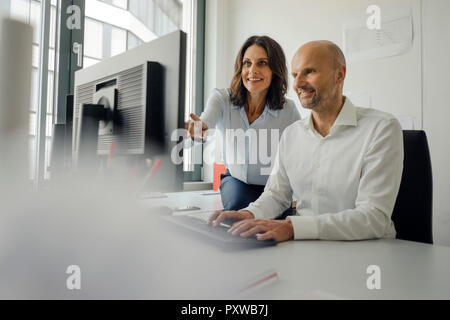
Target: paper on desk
x=201, y=214
x=211, y=192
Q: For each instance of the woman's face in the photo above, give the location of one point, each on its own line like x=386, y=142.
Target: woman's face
x=256, y=74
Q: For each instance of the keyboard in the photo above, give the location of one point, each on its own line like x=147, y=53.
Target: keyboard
x=217, y=236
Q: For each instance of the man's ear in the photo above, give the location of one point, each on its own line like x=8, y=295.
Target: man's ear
x=340, y=74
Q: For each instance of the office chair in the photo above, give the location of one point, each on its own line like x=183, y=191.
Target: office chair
x=412, y=215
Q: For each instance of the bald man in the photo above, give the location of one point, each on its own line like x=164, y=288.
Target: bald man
x=343, y=164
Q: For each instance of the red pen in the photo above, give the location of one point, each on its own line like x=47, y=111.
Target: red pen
x=152, y=172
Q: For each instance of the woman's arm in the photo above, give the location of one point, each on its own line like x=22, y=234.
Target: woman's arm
x=209, y=118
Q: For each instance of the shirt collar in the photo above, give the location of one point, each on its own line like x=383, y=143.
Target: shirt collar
x=346, y=117
x=273, y=113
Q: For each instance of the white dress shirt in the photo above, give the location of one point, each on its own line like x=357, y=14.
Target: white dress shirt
x=249, y=159
x=345, y=183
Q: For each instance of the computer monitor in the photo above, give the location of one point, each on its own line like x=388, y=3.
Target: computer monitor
x=134, y=101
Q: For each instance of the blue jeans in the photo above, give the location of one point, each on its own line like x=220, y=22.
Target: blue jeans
x=238, y=195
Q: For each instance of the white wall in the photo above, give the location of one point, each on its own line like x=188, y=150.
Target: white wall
x=4, y=8
x=392, y=84
x=436, y=108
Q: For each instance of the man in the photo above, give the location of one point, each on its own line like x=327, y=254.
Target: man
x=343, y=164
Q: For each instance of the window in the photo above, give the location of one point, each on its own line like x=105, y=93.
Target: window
x=114, y=26
x=30, y=11
x=111, y=27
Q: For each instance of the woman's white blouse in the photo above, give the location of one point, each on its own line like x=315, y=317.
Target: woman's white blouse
x=248, y=149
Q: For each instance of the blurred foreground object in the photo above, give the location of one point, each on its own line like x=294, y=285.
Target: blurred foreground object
x=15, y=87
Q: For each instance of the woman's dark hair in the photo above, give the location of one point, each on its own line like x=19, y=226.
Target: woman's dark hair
x=277, y=64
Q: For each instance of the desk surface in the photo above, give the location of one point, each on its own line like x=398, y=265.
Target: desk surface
x=305, y=269
x=126, y=251
x=206, y=200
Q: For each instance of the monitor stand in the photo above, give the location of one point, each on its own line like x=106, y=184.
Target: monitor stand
x=91, y=115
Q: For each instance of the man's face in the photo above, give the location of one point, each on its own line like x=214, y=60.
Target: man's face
x=314, y=76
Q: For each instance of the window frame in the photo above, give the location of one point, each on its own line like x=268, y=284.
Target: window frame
x=67, y=64
x=198, y=106
x=42, y=91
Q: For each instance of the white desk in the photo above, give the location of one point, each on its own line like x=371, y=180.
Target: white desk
x=206, y=200
x=306, y=269
x=126, y=251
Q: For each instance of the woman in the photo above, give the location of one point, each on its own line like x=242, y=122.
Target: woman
x=251, y=114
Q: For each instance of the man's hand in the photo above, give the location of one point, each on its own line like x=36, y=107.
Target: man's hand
x=278, y=230
x=220, y=215
x=196, y=128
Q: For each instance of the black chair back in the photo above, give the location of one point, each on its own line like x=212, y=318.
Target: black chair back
x=412, y=213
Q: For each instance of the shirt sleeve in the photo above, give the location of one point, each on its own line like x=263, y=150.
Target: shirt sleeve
x=277, y=195
x=377, y=192
x=214, y=109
